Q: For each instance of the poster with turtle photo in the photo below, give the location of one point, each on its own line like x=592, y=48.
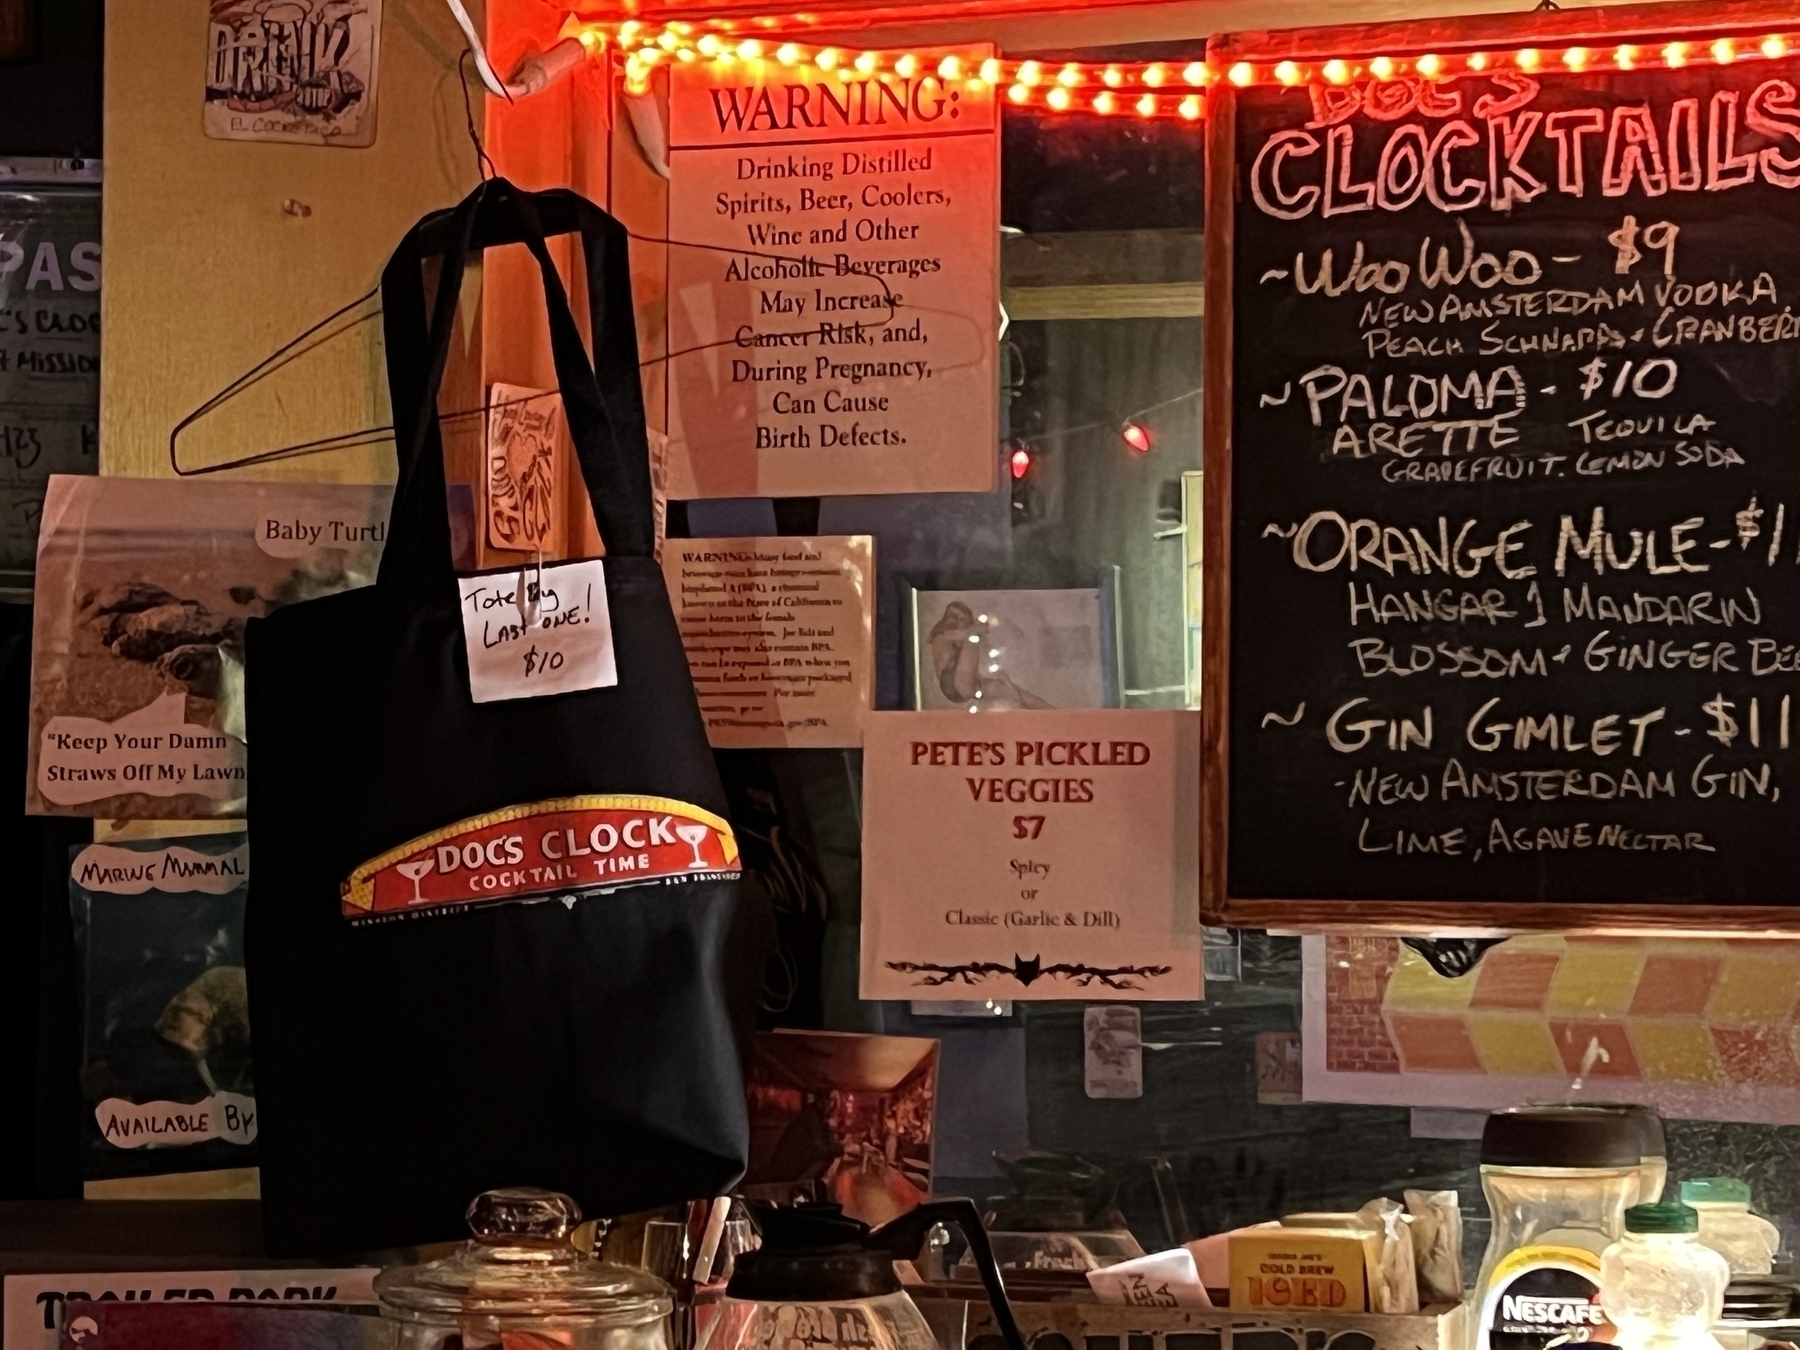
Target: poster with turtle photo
x=143, y=589
x=299, y=71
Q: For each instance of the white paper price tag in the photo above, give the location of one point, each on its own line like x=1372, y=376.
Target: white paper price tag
x=541, y=633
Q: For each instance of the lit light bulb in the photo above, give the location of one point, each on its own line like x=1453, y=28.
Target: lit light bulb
x=1430, y=65
x=749, y=49
x=1069, y=76
x=1019, y=94
x=1194, y=73
x=1154, y=75
x=685, y=55
x=650, y=55
x=1724, y=51
x=907, y=66
x=1288, y=73
x=1192, y=106
x=1146, y=106
x=1774, y=47
x=1058, y=98
x=1111, y=77
x=1382, y=68
x=866, y=62
x=1241, y=74
x=668, y=40
x=1528, y=59
x=709, y=45
x=1478, y=61
x=828, y=58
x=1625, y=57
x=1105, y=103
x=949, y=69
x=1137, y=436
x=1031, y=74
x=1576, y=58
x=1020, y=461
x=787, y=53
x=1337, y=71
x=990, y=70
x=1675, y=55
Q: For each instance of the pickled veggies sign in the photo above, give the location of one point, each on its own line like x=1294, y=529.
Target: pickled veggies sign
x=554, y=848
x=1037, y=854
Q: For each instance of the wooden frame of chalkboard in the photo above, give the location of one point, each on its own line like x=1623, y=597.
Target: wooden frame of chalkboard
x=1695, y=843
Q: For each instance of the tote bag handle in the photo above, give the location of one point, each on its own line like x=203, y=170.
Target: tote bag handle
x=604, y=411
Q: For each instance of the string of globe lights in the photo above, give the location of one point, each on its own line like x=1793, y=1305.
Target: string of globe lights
x=1147, y=89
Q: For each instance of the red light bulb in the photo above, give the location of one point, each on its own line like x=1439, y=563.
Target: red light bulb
x=1020, y=462
x=1136, y=436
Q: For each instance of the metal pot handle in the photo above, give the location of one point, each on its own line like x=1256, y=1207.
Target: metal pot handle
x=902, y=1238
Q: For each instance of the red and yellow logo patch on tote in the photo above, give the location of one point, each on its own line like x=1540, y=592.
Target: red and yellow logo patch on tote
x=553, y=848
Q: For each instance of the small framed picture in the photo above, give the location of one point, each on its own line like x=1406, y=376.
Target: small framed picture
x=995, y=650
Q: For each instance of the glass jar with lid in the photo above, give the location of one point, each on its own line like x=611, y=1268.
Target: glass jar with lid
x=1558, y=1181
x=1653, y=1171
x=1653, y=1145
x=522, y=1283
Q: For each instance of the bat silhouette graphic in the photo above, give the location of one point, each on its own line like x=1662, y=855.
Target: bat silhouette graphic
x=1028, y=971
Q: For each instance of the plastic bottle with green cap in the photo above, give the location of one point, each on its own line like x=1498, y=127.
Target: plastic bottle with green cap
x=1661, y=1289
x=1747, y=1241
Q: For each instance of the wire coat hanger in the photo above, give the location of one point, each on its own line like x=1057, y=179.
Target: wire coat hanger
x=316, y=335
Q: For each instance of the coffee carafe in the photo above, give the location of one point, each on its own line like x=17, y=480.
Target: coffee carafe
x=824, y=1281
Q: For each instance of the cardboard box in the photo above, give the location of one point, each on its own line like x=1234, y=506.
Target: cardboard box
x=1281, y=1269
x=1100, y=1326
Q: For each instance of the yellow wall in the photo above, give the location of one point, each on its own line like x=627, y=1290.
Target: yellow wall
x=205, y=273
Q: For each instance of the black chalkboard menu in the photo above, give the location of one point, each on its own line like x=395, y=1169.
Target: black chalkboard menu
x=1503, y=477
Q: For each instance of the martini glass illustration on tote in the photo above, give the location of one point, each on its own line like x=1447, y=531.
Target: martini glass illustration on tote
x=694, y=836
x=415, y=871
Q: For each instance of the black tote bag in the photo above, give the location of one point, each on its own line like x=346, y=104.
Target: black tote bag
x=577, y=1034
